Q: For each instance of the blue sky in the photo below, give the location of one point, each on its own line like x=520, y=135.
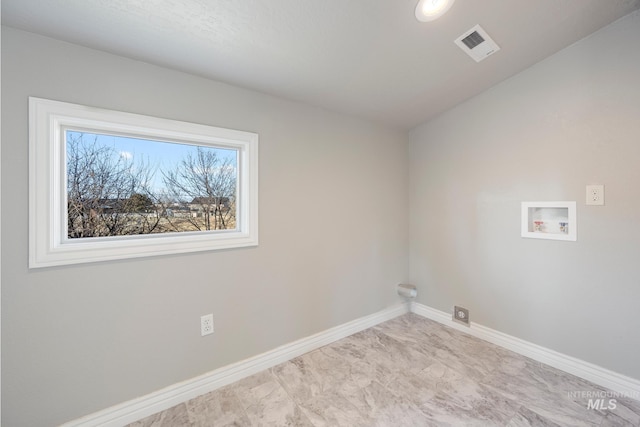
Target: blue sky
x=161, y=155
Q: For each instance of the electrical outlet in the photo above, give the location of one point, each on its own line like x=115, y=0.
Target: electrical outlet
x=206, y=324
x=461, y=315
x=595, y=195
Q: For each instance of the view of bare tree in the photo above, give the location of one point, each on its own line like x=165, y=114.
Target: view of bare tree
x=100, y=185
x=205, y=184
x=109, y=194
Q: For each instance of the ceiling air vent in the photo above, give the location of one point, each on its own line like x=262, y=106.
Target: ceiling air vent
x=477, y=43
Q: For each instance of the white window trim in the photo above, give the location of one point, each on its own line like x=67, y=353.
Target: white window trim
x=48, y=245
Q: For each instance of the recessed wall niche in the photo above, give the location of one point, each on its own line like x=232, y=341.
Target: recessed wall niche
x=549, y=220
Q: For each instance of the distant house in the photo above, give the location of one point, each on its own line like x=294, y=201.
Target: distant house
x=117, y=205
x=199, y=204
x=210, y=201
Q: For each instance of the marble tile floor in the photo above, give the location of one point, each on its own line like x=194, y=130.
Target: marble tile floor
x=409, y=371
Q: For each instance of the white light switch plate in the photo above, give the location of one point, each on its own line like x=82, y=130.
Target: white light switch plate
x=595, y=195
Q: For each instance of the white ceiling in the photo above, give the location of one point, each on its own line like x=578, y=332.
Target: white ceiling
x=369, y=58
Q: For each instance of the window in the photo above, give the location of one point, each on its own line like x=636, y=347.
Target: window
x=109, y=185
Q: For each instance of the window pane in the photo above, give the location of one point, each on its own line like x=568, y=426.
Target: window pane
x=121, y=186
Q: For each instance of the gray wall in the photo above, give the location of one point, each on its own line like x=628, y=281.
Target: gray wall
x=334, y=233
x=569, y=121
x=333, y=242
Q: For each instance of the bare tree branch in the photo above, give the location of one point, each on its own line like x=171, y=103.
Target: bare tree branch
x=205, y=184
x=100, y=185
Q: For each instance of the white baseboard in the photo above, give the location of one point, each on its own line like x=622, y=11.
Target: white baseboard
x=175, y=394
x=136, y=409
x=624, y=385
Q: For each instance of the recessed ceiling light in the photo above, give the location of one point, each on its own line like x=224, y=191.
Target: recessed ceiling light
x=428, y=10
